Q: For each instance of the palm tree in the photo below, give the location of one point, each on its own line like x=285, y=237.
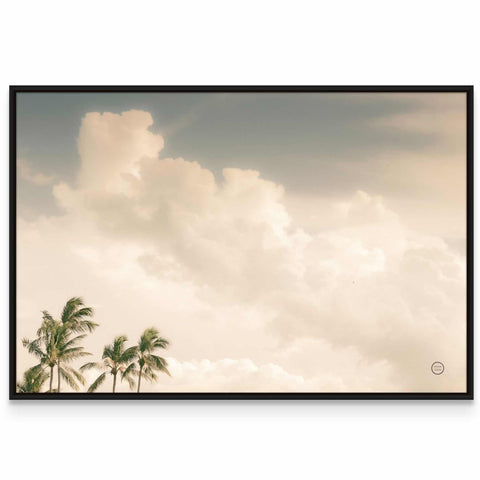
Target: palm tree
x=116, y=359
x=54, y=344
x=148, y=363
x=44, y=346
x=76, y=319
x=33, y=380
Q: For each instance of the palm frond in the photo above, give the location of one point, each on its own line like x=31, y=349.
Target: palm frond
x=108, y=351
x=129, y=370
x=70, y=342
x=78, y=376
x=33, y=380
x=89, y=365
x=69, y=378
x=33, y=347
x=73, y=354
x=149, y=374
x=76, y=316
x=78, y=326
x=128, y=355
x=157, y=363
x=161, y=343
x=129, y=373
x=70, y=307
x=100, y=379
x=118, y=343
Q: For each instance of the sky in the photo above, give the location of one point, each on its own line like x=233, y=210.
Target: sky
x=281, y=242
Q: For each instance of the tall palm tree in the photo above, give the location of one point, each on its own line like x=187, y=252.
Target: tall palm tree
x=33, y=380
x=54, y=344
x=76, y=319
x=116, y=359
x=149, y=363
x=44, y=346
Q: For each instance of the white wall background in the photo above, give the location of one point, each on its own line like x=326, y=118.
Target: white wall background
x=219, y=42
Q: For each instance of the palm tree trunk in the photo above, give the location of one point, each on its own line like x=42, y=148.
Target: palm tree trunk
x=58, y=374
x=51, y=378
x=114, y=381
x=139, y=379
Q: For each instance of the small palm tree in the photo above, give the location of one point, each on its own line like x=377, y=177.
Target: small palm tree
x=33, y=380
x=148, y=363
x=116, y=359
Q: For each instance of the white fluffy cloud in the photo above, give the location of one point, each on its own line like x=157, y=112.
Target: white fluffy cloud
x=359, y=301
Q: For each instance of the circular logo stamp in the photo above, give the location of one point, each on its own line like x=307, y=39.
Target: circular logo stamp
x=437, y=368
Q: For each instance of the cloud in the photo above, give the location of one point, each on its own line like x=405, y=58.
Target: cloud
x=110, y=147
x=27, y=173
x=227, y=270
x=439, y=115
x=237, y=375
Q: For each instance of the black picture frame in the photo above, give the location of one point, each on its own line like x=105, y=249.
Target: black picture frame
x=467, y=395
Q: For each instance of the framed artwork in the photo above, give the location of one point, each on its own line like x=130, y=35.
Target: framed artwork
x=229, y=242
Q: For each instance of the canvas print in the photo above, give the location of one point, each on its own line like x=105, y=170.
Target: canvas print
x=242, y=242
